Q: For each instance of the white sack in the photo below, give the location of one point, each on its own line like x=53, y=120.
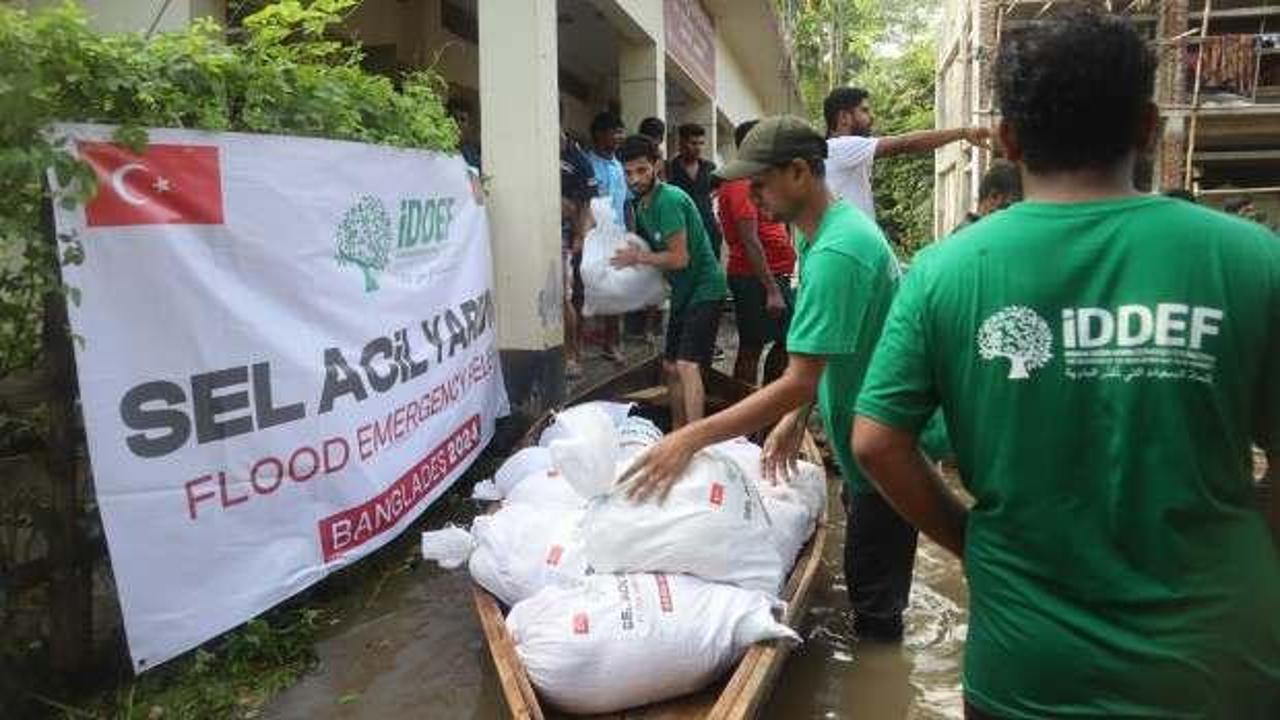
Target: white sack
x=635, y=435
x=608, y=290
x=522, y=549
x=622, y=641
x=450, y=547
x=524, y=463
x=713, y=525
x=793, y=506
x=547, y=489
x=588, y=453
x=616, y=412
x=486, y=491
x=514, y=552
x=808, y=487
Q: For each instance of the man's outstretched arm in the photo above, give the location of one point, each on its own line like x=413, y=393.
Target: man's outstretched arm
x=923, y=141
x=892, y=460
x=656, y=470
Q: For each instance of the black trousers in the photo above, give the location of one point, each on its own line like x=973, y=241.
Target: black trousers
x=879, y=555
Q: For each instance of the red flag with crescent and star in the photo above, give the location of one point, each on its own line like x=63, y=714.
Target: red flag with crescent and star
x=165, y=185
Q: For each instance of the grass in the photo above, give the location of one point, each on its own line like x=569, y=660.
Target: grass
x=234, y=676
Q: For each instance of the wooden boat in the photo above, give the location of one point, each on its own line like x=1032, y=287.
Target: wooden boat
x=744, y=691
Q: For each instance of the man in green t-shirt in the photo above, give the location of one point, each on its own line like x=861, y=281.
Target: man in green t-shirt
x=678, y=245
x=848, y=275
x=1104, y=360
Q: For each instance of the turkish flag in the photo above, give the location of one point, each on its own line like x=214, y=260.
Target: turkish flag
x=165, y=185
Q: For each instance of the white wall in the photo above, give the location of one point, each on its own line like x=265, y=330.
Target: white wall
x=734, y=95
x=647, y=14
x=114, y=16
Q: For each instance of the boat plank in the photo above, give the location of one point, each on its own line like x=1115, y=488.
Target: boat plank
x=521, y=699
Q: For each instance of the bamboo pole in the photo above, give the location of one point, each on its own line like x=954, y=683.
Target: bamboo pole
x=1241, y=191
x=1195, y=95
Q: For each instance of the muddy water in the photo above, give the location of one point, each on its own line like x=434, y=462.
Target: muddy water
x=416, y=650
x=834, y=676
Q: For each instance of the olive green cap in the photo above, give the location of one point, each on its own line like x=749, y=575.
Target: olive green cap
x=774, y=141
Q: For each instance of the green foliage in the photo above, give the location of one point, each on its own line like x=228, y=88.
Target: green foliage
x=284, y=74
x=885, y=46
x=902, y=101
x=229, y=678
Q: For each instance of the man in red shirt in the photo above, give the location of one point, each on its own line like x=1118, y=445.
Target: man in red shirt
x=761, y=260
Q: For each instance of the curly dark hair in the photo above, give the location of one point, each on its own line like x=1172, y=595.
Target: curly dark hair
x=1075, y=88
x=636, y=147
x=840, y=99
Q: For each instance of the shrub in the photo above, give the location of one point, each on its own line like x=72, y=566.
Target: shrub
x=284, y=74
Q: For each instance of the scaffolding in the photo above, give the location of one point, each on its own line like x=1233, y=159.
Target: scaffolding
x=1240, y=130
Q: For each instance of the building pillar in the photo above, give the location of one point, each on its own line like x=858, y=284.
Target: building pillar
x=520, y=134
x=642, y=82
x=1171, y=152
x=708, y=115
x=1171, y=93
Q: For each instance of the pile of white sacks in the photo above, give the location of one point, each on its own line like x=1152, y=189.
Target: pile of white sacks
x=616, y=604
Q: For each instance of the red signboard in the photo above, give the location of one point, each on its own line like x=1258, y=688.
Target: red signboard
x=691, y=41
x=355, y=526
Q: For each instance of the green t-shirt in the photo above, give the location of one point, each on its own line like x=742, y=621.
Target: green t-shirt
x=848, y=276
x=1103, y=368
x=665, y=212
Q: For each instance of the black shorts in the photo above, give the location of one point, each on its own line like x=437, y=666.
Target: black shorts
x=755, y=326
x=573, y=290
x=691, y=332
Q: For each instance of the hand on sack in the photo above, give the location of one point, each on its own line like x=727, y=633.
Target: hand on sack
x=655, y=471
x=774, y=304
x=780, y=457
x=626, y=257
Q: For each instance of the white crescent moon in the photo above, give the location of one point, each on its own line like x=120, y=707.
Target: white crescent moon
x=117, y=183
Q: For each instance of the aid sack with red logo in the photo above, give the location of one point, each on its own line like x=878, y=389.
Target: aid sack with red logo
x=794, y=504
x=620, y=641
x=514, y=552
x=713, y=524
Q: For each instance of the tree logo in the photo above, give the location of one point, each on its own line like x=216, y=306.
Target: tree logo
x=1019, y=334
x=364, y=239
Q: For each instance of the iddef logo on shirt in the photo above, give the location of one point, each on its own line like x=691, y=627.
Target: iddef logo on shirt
x=1019, y=334
x=1164, y=341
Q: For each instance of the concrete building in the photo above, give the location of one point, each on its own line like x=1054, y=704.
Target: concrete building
x=1220, y=135
x=712, y=62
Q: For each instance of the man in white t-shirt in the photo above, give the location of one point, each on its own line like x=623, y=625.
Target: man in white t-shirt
x=851, y=150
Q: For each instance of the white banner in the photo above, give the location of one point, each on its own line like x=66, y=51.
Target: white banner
x=286, y=353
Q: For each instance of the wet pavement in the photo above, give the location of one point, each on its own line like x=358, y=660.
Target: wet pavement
x=417, y=649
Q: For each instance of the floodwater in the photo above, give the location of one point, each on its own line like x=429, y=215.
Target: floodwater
x=417, y=651
x=832, y=675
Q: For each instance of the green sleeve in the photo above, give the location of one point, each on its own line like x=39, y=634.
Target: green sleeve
x=934, y=440
x=834, y=289
x=899, y=389
x=668, y=217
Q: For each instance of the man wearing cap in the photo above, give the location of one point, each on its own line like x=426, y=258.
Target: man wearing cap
x=848, y=275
